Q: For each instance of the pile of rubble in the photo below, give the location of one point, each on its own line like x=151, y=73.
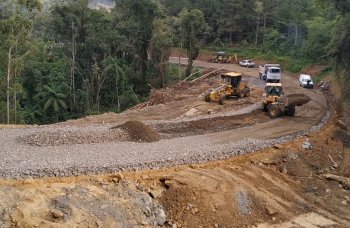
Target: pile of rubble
x=323, y=85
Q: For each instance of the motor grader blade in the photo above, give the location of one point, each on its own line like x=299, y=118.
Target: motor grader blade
x=295, y=99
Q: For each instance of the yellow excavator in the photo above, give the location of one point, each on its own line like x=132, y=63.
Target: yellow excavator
x=221, y=58
x=277, y=103
x=231, y=84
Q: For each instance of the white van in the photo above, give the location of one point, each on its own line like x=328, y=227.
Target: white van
x=305, y=80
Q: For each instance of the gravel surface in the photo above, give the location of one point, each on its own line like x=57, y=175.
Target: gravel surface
x=68, y=137
x=20, y=160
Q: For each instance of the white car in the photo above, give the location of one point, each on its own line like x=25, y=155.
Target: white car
x=247, y=63
x=306, y=81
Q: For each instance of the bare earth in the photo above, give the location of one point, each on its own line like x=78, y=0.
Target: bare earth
x=191, y=177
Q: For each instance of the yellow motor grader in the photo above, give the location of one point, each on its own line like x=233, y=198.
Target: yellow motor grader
x=231, y=84
x=276, y=102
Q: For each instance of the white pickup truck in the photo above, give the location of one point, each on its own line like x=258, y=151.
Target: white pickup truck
x=247, y=63
x=270, y=72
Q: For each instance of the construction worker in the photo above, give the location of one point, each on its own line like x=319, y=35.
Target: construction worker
x=308, y=83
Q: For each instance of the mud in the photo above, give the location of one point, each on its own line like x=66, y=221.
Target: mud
x=342, y=136
x=209, y=125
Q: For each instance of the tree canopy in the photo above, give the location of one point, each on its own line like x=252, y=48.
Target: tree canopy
x=80, y=60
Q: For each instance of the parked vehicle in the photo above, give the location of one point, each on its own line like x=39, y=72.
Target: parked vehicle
x=247, y=63
x=270, y=72
x=306, y=81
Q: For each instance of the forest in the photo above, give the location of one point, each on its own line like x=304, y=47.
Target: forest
x=66, y=59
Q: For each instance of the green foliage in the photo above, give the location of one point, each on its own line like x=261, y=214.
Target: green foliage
x=53, y=99
x=323, y=73
x=314, y=47
x=31, y=115
x=107, y=59
x=339, y=50
x=192, y=24
x=112, y=67
x=298, y=65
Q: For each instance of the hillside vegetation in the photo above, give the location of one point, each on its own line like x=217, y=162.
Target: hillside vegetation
x=65, y=60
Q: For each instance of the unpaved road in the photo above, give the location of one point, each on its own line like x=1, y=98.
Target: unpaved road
x=280, y=186
x=20, y=160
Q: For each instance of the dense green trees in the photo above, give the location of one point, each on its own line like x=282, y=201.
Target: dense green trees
x=192, y=25
x=66, y=59
x=339, y=47
x=53, y=99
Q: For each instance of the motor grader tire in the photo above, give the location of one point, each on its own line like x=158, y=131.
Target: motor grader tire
x=222, y=99
x=207, y=97
x=274, y=111
x=290, y=111
x=264, y=107
x=240, y=93
x=246, y=92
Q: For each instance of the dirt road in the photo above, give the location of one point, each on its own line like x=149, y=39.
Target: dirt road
x=207, y=185
x=22, y=160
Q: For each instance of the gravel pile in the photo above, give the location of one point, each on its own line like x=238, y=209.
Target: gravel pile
x=57, y=138
x=138, y=131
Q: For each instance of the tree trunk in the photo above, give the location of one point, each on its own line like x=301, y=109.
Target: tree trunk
x=256, y=33
x=8, y=85
x=56, y=117
x=264, y=28
x=180, y=61
x=296, y=33
x=73, y=63
x=14, y=96
x=116, y=86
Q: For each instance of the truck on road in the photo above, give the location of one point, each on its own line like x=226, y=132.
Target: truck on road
x=270, y=72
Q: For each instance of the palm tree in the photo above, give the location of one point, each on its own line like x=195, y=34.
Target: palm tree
x=30, y=114
x=112, y=67
x=51, y=98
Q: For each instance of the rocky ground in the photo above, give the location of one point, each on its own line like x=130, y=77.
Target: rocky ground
x=182, y=162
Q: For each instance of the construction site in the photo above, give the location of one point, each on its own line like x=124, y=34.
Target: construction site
x=181, y=159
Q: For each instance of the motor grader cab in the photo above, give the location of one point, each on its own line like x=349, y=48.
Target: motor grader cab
x=231, y=84
x=276, y=102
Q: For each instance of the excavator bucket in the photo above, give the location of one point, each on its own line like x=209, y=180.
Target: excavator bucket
x=295, y=99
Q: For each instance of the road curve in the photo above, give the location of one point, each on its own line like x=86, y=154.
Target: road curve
x=20, y=160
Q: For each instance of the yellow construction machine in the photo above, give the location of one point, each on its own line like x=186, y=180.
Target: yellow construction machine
x=277, y=103
x=231, y=84
x=221, y=58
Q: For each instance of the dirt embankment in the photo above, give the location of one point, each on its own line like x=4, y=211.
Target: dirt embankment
x=281, y=186
x=286, y=185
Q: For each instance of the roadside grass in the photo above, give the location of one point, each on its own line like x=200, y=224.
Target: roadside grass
x=327, y=70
